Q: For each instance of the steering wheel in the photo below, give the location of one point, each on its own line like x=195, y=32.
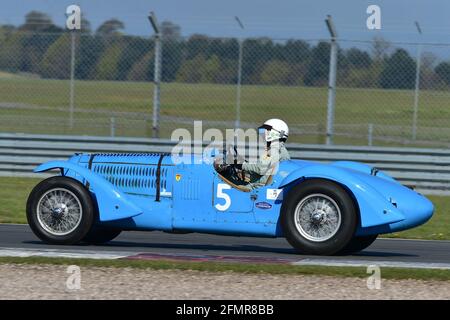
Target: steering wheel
x=232, y=149
x=231, y=156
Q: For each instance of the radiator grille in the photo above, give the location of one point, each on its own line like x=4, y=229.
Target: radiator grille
x=135, y=178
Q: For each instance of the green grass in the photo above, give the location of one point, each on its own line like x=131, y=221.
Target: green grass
x=13, y=198
x=212, y=101
x=14, y=193
x=360, y=272
x=438, y=228
x=7, y=75
x=303, y=107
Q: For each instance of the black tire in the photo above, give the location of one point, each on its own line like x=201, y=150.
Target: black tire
x=343, y=232
x=100, y=235
x=74, y=189
x=358, y=244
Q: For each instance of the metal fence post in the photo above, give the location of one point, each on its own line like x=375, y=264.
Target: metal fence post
x=331, y=81
x=112, y=126
x=156, y=76
x=237, y=123
x=370, y=135
x=72, y=78
x=417, y=86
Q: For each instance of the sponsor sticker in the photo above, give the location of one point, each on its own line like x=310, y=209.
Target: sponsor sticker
x=274, y=194
x=263, y=205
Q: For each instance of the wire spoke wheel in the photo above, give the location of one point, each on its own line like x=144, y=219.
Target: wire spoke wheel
x=317, y=217
x=59, y=211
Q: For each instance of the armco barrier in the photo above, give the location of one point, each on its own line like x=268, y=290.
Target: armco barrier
x=426, y=169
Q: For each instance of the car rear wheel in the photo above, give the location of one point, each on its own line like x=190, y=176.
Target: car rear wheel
x=318, y=217
x=358, y=244
x=60, y=210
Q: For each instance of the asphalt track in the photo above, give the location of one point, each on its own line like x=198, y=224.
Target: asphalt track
x=17, y=240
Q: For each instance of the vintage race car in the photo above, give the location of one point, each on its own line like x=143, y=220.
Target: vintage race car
x=323, y=209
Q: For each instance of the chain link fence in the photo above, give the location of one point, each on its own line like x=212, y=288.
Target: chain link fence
x=393, y=93
x=79, y=83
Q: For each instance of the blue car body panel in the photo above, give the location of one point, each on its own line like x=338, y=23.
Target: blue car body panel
x=112, y=203
x=365, y=188
x=152, y=192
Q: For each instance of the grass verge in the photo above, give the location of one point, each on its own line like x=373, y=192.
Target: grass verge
x=42, y=106
x=276, y=269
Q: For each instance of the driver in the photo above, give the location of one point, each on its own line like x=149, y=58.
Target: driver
x=254, y=175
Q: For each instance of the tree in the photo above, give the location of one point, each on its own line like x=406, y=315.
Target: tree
x=11, y=53
x=256, y=53
x=170, y=31
x=443, y=71
x=197, y=44
x=111, y=27
x=226, y=49
x=318, y=67
x=380, y=48
x=399, y=71
x=358, y=58
x=210, y=70
x=275, y=72
x=361, y=78
x=6, y=30
x=85, y=25
x=295, y=51
x=428, y=78
x=89, y=51
x=171, y=59
x=33, y=46
x=136, y=47
x=142, y=70
x=428, y=60
x=36, y=21
x=33, y=38
x=190, y=70
x=55, y=63
x=227, y=73
x=108, y=65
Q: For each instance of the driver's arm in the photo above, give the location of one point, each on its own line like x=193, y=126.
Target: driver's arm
x=261, y=167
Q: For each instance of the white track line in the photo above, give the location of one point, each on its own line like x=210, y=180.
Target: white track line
x=56, y=253
x=81, y=254
x=365, y=263
x=418, y=240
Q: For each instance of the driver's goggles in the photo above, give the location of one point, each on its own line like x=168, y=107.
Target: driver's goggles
x=264, y=128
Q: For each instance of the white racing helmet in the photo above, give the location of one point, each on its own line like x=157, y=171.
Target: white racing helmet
x=275, y=129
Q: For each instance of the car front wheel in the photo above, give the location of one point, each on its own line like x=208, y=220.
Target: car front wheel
x=100, y=235
x=60, y=210
x=358, y=244
x=318, y=217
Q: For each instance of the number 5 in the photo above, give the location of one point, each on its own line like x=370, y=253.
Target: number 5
x=223, y=195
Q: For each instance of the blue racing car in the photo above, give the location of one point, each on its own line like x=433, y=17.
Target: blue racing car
x=322, y=209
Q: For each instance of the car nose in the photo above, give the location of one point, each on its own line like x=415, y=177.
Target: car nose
x=416, y=208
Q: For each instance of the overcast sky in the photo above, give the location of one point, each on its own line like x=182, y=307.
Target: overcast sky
x=277, y=19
